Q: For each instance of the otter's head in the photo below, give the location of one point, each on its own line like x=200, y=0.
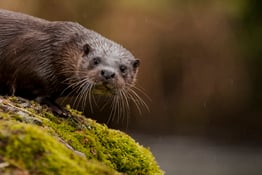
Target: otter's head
x=100, y=66
x=107, y=65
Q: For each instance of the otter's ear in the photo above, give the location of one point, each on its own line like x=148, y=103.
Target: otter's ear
x=136, y=63
x=86, y=49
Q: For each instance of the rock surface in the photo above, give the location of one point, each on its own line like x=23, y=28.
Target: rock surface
x=34, y=141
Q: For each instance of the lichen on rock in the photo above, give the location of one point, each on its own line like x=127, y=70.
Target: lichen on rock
x=34, y=141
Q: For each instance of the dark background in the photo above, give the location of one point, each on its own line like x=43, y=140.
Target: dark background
x=201, y=67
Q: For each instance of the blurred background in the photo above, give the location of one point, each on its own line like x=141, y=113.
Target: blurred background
x=201, y=67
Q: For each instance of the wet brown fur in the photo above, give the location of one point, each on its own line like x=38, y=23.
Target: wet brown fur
x=42, y=59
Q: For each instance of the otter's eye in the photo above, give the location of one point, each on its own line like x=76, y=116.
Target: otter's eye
x=123, y=68
x=136, y=63
x=86, y=49
x=96, y=61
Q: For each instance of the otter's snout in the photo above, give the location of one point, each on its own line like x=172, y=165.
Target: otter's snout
x=107, y=74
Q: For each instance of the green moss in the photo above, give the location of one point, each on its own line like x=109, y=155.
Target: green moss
x=30, y=137
x=29, y=148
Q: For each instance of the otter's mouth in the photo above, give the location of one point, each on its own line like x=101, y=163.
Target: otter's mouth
x=104, y=89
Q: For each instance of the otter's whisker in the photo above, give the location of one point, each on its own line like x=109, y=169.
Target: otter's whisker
x=108, y=101
x=123, y=108
x=115, y=107
x=138, y=99
x=135, y=102
x=142, y=91
x=75, y=88
x=79, y=94
x=126, y=100
x=118, y=108
x=127, y=106
x=85, y=91
x=72, y=85
x=90, y=98
x=112, y=111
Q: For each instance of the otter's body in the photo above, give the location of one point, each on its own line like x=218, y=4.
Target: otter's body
x=27, y=59
x=40, y=59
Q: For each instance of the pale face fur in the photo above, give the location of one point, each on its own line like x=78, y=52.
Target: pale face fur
x=100, y=54
x=96, y=55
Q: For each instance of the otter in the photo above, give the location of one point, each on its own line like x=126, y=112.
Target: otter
x=43, y=60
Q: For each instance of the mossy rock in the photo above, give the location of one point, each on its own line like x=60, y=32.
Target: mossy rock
x=34, y=141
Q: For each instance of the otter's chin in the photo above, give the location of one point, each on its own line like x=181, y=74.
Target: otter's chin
x=104, y=89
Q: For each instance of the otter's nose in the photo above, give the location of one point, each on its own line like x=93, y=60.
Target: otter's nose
x=107, y=74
